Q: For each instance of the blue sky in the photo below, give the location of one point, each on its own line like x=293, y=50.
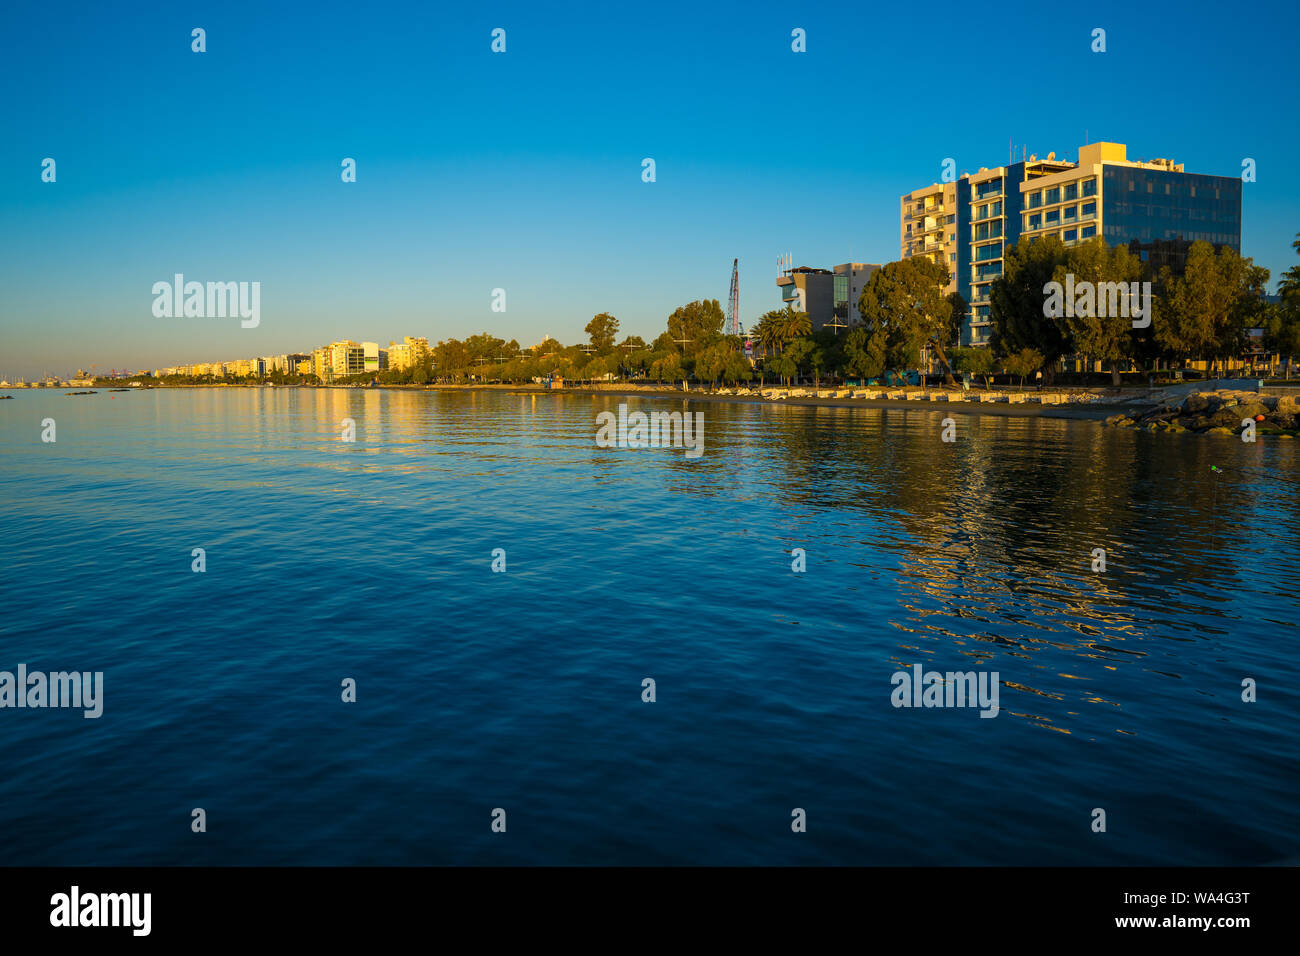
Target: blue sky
x=522, y=170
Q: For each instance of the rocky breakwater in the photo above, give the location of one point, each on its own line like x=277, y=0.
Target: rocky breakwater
x=1219, y=413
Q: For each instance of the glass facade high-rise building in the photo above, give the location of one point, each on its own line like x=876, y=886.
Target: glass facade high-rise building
x=1154, y=207
x=995, y=219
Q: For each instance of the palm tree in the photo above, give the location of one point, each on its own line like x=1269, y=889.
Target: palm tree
x=769, y=331
x=1289, y=284
x=794, y=324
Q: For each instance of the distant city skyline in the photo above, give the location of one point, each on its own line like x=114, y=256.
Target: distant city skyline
x=522, y=170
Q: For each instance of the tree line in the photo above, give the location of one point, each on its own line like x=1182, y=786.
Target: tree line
x=1201, y=313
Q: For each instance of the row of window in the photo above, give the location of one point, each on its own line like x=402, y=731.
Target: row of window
x=1068, y=236
x=1064, y=193
x=1187, y=190
x=1123, y=233
x=1224, y=212
x=1054, y=217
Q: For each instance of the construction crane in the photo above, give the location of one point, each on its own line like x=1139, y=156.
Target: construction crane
x=733, y=307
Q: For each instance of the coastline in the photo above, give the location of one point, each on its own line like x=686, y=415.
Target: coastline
x=1088, y=412
x=1091, y=411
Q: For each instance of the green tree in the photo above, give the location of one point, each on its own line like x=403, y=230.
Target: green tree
x=769, y=331
x=668, y=369
x=1282, y=329
x=794, y=324
x=1282, y=320
x=547, y=346
x=905, y=301
x=816, y=362
x=696, y=325
x=975, y=361
x=784, y=368
x=708, y=364
x=1105, y=330
x=864, y=352
x=1016, y=300
x=1289, y=284
x=799, y=352
x=451, y=358
x=737, y=368
x=1204, y=312
x=720, y=361
x=602, y=330
x=1024, y=362
x=639, y=362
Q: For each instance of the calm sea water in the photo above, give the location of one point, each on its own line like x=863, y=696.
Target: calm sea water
x=522, y=690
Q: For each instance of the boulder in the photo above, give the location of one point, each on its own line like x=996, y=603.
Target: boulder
x=1229, y=416
x=1195, y=403
x=1219, y=431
